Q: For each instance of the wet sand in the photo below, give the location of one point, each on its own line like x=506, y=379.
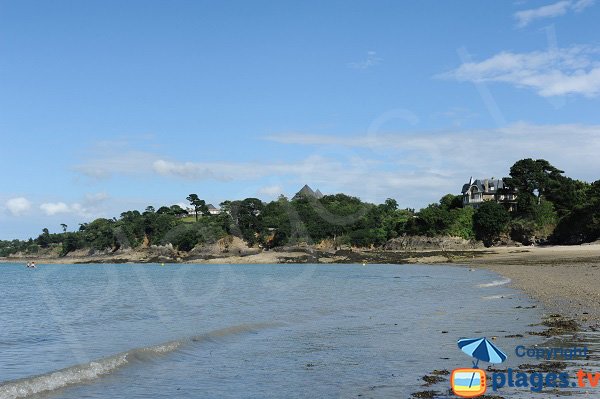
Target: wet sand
x=565, y=279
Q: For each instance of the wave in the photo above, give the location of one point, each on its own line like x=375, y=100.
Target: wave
x=495, y=283
x=495, y=297
x=88, y=372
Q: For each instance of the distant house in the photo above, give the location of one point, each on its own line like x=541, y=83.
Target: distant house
x=475, y=192
x=307, y=192
x=212, y=210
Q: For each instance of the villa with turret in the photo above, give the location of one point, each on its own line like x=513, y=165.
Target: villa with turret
x=475, y=192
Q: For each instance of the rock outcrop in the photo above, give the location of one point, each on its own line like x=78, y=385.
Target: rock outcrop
x=419, y=243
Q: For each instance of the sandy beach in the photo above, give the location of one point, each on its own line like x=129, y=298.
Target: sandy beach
x=566, y=279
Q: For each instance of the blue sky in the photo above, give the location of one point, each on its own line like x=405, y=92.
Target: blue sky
x=107, y=106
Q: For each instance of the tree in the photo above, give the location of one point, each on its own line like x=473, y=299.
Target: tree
x=432, y=220
x=442, y=218
x=450, y=201
x=582, y=224
x=43, y=239
x=567, y=194
x=99, y=234
x=391, y=204
x=178, y=211
x=198, y=204
x=64, y=227
x=532, y=179
x=164, y=210
x=70, y=243
x=462, y=223
x=249, y=218
x=489, y=221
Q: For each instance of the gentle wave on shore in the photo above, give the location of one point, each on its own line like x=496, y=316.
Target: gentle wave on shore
x=85, y=373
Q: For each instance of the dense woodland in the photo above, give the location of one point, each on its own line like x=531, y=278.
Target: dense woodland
x=551, y=208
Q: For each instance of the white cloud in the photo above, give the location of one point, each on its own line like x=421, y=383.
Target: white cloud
x=88, y=208
x=53, y=208
x=443, y=158
x=369, y=62
x=581, y=5
x=116, y=162
x=573, y=70
x=271, y=190
x=188, y=170
x=525, y=17
x=18, y=206
x=95, y=198
x=228, y=171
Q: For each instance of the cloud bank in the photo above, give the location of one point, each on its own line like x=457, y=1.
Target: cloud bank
x=412, y=166
x=566, y=71
x=525, y=17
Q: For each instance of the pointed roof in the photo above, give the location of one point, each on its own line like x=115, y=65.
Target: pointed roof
x=307, y=192
x=484, y=185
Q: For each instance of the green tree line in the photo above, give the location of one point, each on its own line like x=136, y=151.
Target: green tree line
x=550, y=208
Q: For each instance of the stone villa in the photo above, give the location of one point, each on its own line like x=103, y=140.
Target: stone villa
x=475, y=192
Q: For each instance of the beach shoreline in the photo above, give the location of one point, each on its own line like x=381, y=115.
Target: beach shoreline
x=566, y=280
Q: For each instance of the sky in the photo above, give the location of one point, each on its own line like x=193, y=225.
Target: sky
x=107, y=106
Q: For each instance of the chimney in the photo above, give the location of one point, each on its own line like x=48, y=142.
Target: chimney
x=486, y=185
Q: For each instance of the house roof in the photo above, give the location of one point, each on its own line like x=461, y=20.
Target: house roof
x=211, y=207
x=308, y=192
x=493, y=185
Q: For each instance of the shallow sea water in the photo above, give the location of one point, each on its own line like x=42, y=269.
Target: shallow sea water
x=245, y=331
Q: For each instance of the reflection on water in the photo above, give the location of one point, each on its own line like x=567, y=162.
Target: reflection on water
x=294, y=331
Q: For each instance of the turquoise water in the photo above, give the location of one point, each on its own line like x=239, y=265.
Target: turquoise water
x=243, y=331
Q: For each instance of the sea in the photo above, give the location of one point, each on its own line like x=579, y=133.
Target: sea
x=247, y=331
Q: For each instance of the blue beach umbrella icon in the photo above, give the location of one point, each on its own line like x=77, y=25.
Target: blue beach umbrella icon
x=481, y=349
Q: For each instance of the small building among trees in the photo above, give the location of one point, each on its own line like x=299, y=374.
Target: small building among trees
x=213, y=210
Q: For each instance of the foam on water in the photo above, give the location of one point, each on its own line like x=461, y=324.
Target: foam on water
x=62, y=378
x=495, y=283
x=88, y=372
x=490, y=297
